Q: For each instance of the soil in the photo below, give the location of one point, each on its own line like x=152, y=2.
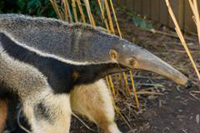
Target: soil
x=174, y=109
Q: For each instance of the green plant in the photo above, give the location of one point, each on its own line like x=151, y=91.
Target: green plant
x=31, y=7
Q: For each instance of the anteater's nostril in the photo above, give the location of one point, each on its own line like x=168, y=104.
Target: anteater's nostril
x=188, y=84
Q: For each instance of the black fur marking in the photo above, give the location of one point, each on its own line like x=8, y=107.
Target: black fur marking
x=59, y=74
x=13, y=104
x=42, y=112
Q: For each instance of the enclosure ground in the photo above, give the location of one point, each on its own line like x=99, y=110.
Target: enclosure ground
x=174, y=109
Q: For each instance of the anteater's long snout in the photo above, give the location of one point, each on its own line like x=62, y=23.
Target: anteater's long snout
x=147, y=61
x=138, y=58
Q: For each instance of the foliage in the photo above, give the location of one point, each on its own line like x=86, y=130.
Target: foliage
x=37, y=7
x=142, y=23
x=31, y=7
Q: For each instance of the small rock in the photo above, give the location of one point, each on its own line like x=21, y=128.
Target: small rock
x=197, y=118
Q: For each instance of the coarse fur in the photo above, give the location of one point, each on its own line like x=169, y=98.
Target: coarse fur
x=21, y=69
x=34, y=91
x=61, y=77
x=71, y=43
x=53, y=66
x=95, y=102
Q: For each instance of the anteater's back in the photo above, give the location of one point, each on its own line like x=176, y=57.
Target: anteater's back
x=75, y=42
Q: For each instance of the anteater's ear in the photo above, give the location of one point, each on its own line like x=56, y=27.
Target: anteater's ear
x=114, y=55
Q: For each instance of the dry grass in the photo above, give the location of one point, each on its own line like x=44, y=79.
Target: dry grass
x=194, y=7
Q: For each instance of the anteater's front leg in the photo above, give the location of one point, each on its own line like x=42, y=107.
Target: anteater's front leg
x=95, y=102
x=50, y=114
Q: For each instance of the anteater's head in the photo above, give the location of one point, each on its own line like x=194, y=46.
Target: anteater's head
x=134, y=57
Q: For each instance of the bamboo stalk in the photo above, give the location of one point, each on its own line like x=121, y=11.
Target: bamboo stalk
x=109, y=17
x=108, y=83
x=103, y=16
x=81, y=11
x=181, y=37
x=134, y=90
x=126, y=81
x=111, y=84
x=194, y=8
x=119, y=31
x=107, y=27
x=113, y=31
x=197, y=19
x=55, y=6
x=87, y=4
x=74, y=10
x=66, y=5
x=115, y=17
x=66, y=13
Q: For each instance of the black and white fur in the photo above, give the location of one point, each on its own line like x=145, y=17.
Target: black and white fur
x=55, y=67
x=43, y=80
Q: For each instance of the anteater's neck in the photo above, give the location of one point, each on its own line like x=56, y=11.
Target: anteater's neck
x=91, y=73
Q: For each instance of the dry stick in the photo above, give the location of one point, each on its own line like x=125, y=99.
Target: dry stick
x=19, y=123
x=126, y=121
x=198, y=92
x=81, y=11
x=109, y=82
x=119, y=31
x=107, y=27
x=70, y=13
x=194, y=8
x=55, y=6
x=66, y=13
x=113, y=31
x=178, y=30
x=103, y=16
x=87, y=4
x=134, y=90
x=149, y=93
x=78, y=118
x=124, y=75
x=66, y=3
x=197, y=19
x=126, y=82
x=109, y=17
x=109, y=77
x=172, y=34
x=74, y=10
x=115, y=17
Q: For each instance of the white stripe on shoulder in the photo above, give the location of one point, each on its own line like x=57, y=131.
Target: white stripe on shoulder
x=51, y=55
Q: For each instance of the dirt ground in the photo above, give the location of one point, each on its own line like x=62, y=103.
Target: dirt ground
x=172, y=108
